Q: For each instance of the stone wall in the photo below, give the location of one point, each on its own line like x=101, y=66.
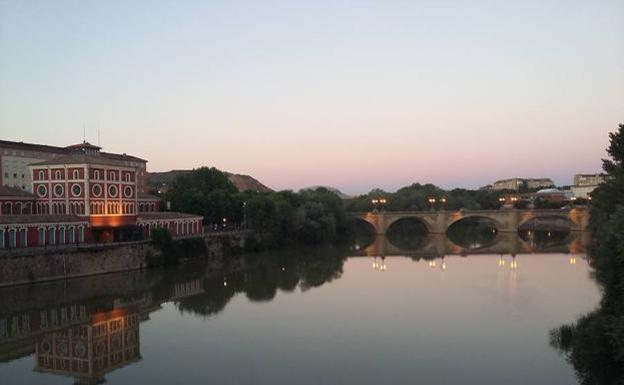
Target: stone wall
x=46, y=265
x=51, y=265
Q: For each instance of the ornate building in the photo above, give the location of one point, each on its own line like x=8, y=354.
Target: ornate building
x=84, y=195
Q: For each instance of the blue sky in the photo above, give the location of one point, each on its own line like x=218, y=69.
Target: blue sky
x=356, y=95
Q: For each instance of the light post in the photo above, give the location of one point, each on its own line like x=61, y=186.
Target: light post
x=443, y=203
x=378, y=201
x=382, y=202
x=432, y=202
x=572, y=201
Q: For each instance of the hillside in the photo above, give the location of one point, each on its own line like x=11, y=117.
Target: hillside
x=332, y=189
x=158, y=180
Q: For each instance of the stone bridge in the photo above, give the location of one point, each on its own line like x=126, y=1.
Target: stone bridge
x=505, y=220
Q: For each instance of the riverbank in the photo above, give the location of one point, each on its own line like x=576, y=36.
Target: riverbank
x=47, y=264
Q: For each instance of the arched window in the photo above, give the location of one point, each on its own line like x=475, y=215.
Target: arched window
x=112, y=176
x=52, y=236
x=80, y=234
x=61, y=235
x=22, y=238
x=57, y=174
x=96, y=174
x=12, y=242
x=127, y=177
x=72, y=234
x=7, y=208
x=40, y=175
x=76, y=174
x=41, y=236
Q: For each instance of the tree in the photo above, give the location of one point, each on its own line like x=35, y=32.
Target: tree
x=615, y=151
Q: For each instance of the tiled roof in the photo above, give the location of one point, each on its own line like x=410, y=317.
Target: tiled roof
x=166, y=215
x=6, y=191
x=81, y=158
x=63, y=150
x=23, y=219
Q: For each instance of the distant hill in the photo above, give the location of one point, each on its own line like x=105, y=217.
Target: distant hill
x=158, y=180
x=332, y=189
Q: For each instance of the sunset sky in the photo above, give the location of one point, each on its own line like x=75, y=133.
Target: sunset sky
x=351, y=94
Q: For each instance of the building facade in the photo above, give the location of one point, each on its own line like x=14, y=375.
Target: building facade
x=588, y=179
x=516, y=184
x=84, y=196
x=15, y=158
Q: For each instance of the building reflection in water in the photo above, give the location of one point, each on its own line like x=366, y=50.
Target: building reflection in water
x=87, y=352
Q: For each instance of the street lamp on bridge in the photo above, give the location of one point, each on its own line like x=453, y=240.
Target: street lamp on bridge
x=432, y=202
x=378, y=201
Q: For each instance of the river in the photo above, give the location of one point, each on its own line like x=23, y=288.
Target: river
x=322, y=316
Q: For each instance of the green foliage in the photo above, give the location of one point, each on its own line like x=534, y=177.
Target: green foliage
x=415, y=198
x=207, y=192
x=595, y=343
x=312, y=217
x=615, y=151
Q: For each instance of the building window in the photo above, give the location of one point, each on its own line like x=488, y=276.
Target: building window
x=62, y=236
x=112, y=191
x=1, y=239
x=72, y=235
x=41, y=237
x=76, y=174
x=51, y=236
x=96, y=190
x=14, y=175
x=112, y=176
x=40, y=175
x=57, y=175
x=127, y=177
x=42, y=190
x=76, y=190
x=80, y=234
x=12, y=242
x=22, y=236
x=22, y=176
x=58, y=190
x=96, y=175
x=128, y=192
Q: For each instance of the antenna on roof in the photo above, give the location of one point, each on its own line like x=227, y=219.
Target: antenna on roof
x=84, y=133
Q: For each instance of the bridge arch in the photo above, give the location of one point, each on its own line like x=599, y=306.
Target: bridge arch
x=419, y=218
x=495, y=222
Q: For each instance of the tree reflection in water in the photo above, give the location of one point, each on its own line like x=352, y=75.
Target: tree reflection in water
x=594, y=344
x=407, y=234
x=472, y=233
x=272, y=273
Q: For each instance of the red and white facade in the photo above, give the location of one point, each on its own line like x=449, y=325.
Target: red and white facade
x=96, y=192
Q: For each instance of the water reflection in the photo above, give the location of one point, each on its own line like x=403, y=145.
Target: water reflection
x=87, y=328
x=109, y=340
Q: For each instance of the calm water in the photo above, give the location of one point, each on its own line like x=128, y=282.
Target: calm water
x=317, y=317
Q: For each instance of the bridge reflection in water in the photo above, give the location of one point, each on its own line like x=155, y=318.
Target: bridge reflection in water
x=439, y=245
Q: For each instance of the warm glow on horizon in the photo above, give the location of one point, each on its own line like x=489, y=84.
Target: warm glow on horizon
x=350, y=95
